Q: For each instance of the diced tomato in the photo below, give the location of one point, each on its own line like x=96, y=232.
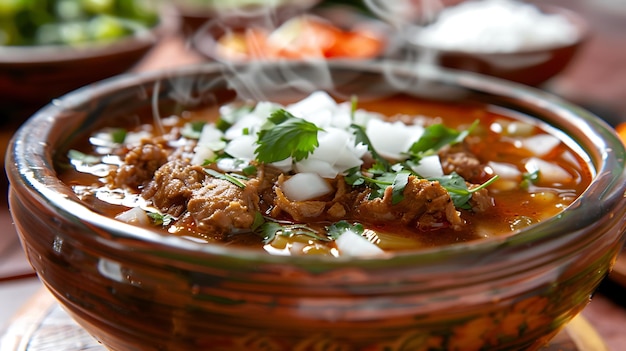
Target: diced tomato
x=357, y=44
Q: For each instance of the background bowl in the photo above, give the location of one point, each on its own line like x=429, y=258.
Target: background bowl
x=355, y=36
x=136, y=289
x=527, y=66
x=195, y=13
x=32, y=75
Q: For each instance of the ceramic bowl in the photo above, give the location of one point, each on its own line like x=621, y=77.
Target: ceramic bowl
x=356, y=36
x=527, y=66
x=31, y=76
x=136, y=289
x=195, y=13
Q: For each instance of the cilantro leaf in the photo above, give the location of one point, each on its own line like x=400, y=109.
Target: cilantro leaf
x=233, y=178
x=288, y=136
x=118, y=135
x=399, y=183
x=160, y=219
x=437, y=136
x=529, y=178
x=77, y=156
x=362, y=138
x=335, y=230
x=457, y=187
x=192, y=130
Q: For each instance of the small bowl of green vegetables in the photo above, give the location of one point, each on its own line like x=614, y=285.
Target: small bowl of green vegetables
x=48, y=48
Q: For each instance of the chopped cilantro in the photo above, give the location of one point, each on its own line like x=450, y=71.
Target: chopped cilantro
x=529, y=178
x=287, y=136
x=77, y=156
x=118, y=135
x=457, y=187
x=193, y=130
x=160, y=219
x=335, y=230
x=362, y=138
x=233, y=178
x=249, y=170
x=268, y=229
x=437, y=136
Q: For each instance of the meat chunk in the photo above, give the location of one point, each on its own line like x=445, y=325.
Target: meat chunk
x=219, y=206
x=425, y=204
x=459, y=159
x=139, y=165
x=173, y=185
x=298, y=210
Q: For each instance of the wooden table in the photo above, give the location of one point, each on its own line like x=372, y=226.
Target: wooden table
x=596, y=80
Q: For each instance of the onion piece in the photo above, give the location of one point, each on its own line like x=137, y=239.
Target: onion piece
x=429, y=166
x=392, y=139
x=540, y=145
x=135, y=215
x=242, y=147
x=549, y=173
x=305, y=186
x=353, y=244
x=505, y=170
x=201, y=154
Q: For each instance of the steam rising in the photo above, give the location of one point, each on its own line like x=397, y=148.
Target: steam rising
x=267, y=80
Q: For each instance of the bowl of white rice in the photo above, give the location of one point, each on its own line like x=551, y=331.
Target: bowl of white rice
x=509, y=39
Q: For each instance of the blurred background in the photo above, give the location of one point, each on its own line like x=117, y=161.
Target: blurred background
x=575, y=49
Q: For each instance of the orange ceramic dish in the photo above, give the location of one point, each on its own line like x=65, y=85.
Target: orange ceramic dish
x=299, y=38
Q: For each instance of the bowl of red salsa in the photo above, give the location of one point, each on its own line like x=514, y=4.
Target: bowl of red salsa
x=301, y=206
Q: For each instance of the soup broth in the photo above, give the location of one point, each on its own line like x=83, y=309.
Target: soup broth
x=325, y=177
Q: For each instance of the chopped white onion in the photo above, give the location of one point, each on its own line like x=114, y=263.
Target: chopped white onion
x=210, y=135
x=429, y=166
x=135, y=215
x=305, y=186
x=540, y=145
x=549, y=173
x=313, y=104
x=201, y=154
x=353, y=244
x=392, y=139
x=317, y=166
x=505, y=170
x=242, y=147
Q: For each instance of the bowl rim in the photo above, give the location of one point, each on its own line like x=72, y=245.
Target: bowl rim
x=29, y=163
x=16, y=55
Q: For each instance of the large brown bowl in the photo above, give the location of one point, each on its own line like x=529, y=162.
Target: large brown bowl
x=135, y=289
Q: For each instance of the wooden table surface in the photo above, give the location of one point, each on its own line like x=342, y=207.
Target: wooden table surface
x=595, y=80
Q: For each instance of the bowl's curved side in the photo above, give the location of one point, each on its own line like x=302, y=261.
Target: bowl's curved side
x=135, y=290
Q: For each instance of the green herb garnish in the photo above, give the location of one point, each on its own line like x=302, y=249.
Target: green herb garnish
x=435, y=137
x=286, y=136
x=529, y=178
x=233, y=178
x=457, y=187
x=335, y=230
x=77, y=156
x=268, y=229
x=160, y=219
x=118, y=135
